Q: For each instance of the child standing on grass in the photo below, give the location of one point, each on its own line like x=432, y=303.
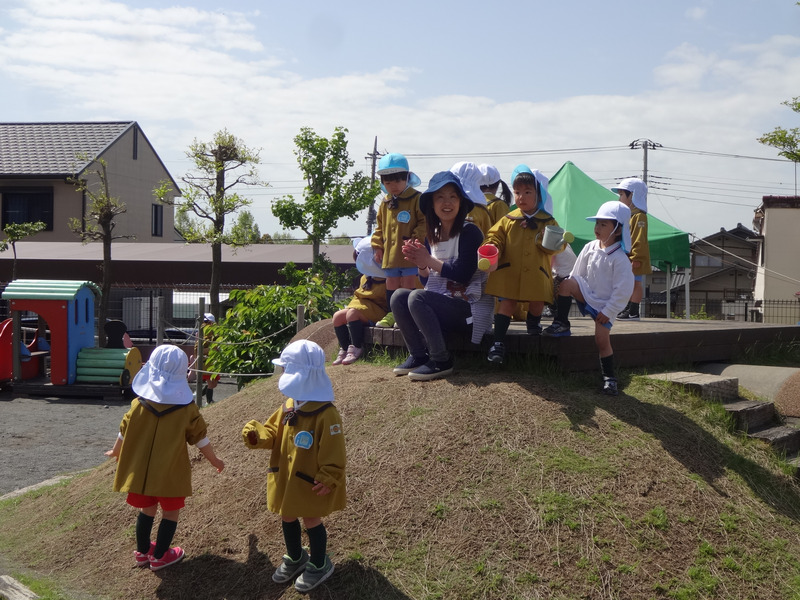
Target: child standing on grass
x=601, y=282
x=152, y=458
x=399, y=219
x=633, y=194
x=523, y=267
x=368, y=306
x=306, y=476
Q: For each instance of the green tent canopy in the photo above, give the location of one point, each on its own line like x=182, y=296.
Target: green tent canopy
x=577, y=196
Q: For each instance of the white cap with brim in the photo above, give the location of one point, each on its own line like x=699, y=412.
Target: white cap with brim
x=304, y=378
x=365, y=261
x=615, y=210
x=470, y=176
x=638, y=190
x=162, y=379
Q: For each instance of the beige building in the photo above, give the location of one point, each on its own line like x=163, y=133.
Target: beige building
x=777, y=222
x=37, y=159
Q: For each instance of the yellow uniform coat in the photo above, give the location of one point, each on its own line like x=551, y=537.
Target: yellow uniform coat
x=395, y=225
x=640, y=247
x=154, y=459
x=480, y=217
x=497, y=208
x=370, y=300
x=311, y=449
x=523, y=267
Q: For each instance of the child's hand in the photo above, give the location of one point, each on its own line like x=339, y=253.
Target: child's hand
x=320, y=488
x=377, y=255
x=254, y=435
x=113, y=452
x=636, y=264
x=601, y=318
x=217, y=464
x=252, y=438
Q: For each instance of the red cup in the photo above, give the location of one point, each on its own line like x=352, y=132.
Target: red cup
x=487, y=257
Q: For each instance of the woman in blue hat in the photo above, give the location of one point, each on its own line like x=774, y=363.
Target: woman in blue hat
x=447, y=263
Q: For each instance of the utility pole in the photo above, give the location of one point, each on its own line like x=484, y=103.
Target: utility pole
x=644, y=145
x=372, y=216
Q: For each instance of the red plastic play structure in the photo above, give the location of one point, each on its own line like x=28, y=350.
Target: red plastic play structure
x=32, y=357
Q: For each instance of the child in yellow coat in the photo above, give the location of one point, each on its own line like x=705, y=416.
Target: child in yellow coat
x=152, y=460
x=633, y=194
x=307, y=464
x=523, y=272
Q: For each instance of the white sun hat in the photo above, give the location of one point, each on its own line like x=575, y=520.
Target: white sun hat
x=638, y=190
x=471, y=178
x=162, y=379
x=304, y=378
x=616, y=211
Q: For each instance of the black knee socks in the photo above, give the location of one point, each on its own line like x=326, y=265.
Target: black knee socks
x=343, y=335
x=563, y=304
x=501, y=323
x=144, y=528
x=356, y=329
x=607, y=366
x=166, y=531
x=292, y=537
x=318, y=543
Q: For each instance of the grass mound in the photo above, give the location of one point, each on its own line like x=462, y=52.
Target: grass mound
x=486, y=485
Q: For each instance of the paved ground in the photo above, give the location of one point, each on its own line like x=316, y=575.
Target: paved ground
x=41, y=438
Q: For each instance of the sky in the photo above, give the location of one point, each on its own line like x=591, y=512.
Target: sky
x=506, y=82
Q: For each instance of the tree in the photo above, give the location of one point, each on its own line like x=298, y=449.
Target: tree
x=16, y=232
x=328, y=197
x=98, y=225
x=245, y=231
x=221, y=164
x=787, y=141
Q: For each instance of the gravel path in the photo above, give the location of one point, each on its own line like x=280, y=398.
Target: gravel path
x=41, y=438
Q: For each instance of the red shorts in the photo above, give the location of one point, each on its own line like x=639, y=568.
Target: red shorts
x=167, y=503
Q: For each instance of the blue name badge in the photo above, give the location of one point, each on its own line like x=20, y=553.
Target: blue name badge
x=404, y=216
x=303, y=440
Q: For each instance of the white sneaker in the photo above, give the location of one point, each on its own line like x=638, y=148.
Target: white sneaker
x=339, y=357
x=353, y=354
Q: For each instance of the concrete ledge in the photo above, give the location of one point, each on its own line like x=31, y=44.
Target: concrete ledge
x=708, y=387
x=11, y=589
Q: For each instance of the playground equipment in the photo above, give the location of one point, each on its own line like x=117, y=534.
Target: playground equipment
x=68, y=308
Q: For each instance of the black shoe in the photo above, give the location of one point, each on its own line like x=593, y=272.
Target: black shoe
x=534, y=329
x=557, y=329
x=610, y=386
x=497, y=353
x=627, y=315
x=432, y=370
x=411, y=363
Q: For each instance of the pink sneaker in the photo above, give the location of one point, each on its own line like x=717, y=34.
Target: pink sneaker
x=339, y=357
x=353, y=354
x=171, y=556
x=142, y=560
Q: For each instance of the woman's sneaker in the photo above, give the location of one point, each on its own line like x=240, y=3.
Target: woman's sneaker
x=432, y=370
x=312, y=576
x=339, y=357
x=289, y=568
x=171, y=556
x=411, y=363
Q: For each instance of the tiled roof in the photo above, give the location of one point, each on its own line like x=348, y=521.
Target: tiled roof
x=39, y=149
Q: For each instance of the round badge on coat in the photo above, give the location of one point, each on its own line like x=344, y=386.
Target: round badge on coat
x=404, y=216
x=303, y=440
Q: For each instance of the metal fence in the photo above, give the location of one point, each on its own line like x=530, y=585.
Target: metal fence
x=774, y=312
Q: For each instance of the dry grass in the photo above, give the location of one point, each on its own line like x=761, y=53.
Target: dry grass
x=473, y=487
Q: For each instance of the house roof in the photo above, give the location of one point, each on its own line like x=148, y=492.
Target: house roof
x=50, y=149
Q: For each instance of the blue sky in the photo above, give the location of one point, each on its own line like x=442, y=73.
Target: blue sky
x=533, y=82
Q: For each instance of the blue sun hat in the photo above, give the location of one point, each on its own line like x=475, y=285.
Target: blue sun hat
x=304, y=378
x=396, y=163
x=638, y=190
x=471, y=177
x=545, y=200
x=162, y=379
x=365, y=262
x=616, y=211
x=437, y=182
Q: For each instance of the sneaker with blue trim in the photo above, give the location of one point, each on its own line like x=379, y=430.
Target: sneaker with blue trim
x=432, y=370
x=497, y=353
x=289, y=568
x=312, y=576
x=557, y=329
x=411, y=363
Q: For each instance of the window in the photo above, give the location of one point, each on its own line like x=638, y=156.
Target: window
x=701, y=260
x=27, y=205
x=157, y=221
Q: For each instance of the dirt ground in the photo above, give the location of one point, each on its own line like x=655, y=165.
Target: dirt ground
x=41, y=438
